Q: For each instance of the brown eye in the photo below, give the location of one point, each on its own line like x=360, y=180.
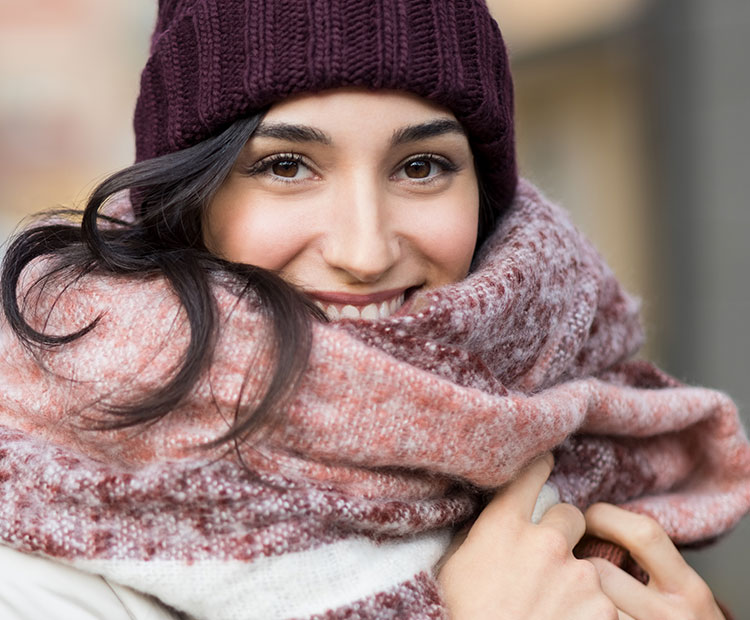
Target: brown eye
x=418, y=169
x=288, y=169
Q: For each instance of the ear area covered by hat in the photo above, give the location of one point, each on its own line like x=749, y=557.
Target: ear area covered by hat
x=344, y=507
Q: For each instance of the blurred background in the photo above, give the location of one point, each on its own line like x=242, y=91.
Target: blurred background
x=631, y=113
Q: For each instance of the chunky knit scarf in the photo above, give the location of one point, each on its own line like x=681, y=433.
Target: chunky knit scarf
x=343, y=508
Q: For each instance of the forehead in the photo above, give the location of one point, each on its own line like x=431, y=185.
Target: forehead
x=333, y=107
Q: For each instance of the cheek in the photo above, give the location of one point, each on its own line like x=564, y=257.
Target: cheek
x=252, y=232
x=448, y=240
x=451, y=250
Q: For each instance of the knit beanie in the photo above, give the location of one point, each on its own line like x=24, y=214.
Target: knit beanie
x=215, y=61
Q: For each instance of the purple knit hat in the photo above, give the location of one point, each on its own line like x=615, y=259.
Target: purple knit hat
x=215, y=61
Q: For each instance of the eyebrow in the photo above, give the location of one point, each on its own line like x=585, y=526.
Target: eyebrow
x=422, y=131
x=411, y=133
x=292, y=133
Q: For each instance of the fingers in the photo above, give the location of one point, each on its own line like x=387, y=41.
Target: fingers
x=674, y=589
x=646, y=541
x=519, y=497
x=567, y=520
x=624, y=591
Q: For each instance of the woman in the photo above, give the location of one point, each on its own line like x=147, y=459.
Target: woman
x=263, y=385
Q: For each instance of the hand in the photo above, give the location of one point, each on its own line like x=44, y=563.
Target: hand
x=674, y=589
x=509, y=568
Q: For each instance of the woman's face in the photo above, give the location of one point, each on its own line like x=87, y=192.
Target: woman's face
x=359, y=198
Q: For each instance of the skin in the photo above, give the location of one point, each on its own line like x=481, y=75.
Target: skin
x=361, y=210
x=547, y=581
x=352, y=208
x=675, y=590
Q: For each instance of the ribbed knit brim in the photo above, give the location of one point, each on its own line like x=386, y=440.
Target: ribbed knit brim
x=215, y=61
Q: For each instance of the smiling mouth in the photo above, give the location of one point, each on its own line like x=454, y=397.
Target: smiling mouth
x=368, y=307
x=370, y=312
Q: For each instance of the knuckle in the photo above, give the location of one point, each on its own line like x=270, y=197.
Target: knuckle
x=585, y=572
x=646, y=531
x=553, y=542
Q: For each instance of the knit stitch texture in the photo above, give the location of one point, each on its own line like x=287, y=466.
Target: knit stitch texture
x=343, y=509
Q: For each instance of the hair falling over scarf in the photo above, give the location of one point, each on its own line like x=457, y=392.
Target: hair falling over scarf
x=397, y=429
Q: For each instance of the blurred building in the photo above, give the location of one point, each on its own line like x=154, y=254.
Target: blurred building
x=69, y=72
x=631, y=113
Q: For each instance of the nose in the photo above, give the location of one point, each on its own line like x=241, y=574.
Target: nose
x=361, y=241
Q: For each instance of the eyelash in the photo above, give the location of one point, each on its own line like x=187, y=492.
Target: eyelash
x=264, y=165
x=446, y=165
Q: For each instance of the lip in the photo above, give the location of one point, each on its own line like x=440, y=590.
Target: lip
x=352, y=299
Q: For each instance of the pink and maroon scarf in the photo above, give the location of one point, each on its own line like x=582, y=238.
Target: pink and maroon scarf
x=343, y=508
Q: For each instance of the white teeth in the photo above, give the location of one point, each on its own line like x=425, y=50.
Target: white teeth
x=349, y=312
x=395, y=304
x=321, y=306
x=370, y=311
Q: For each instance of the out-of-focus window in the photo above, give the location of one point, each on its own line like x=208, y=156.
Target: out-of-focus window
x=69, y=73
